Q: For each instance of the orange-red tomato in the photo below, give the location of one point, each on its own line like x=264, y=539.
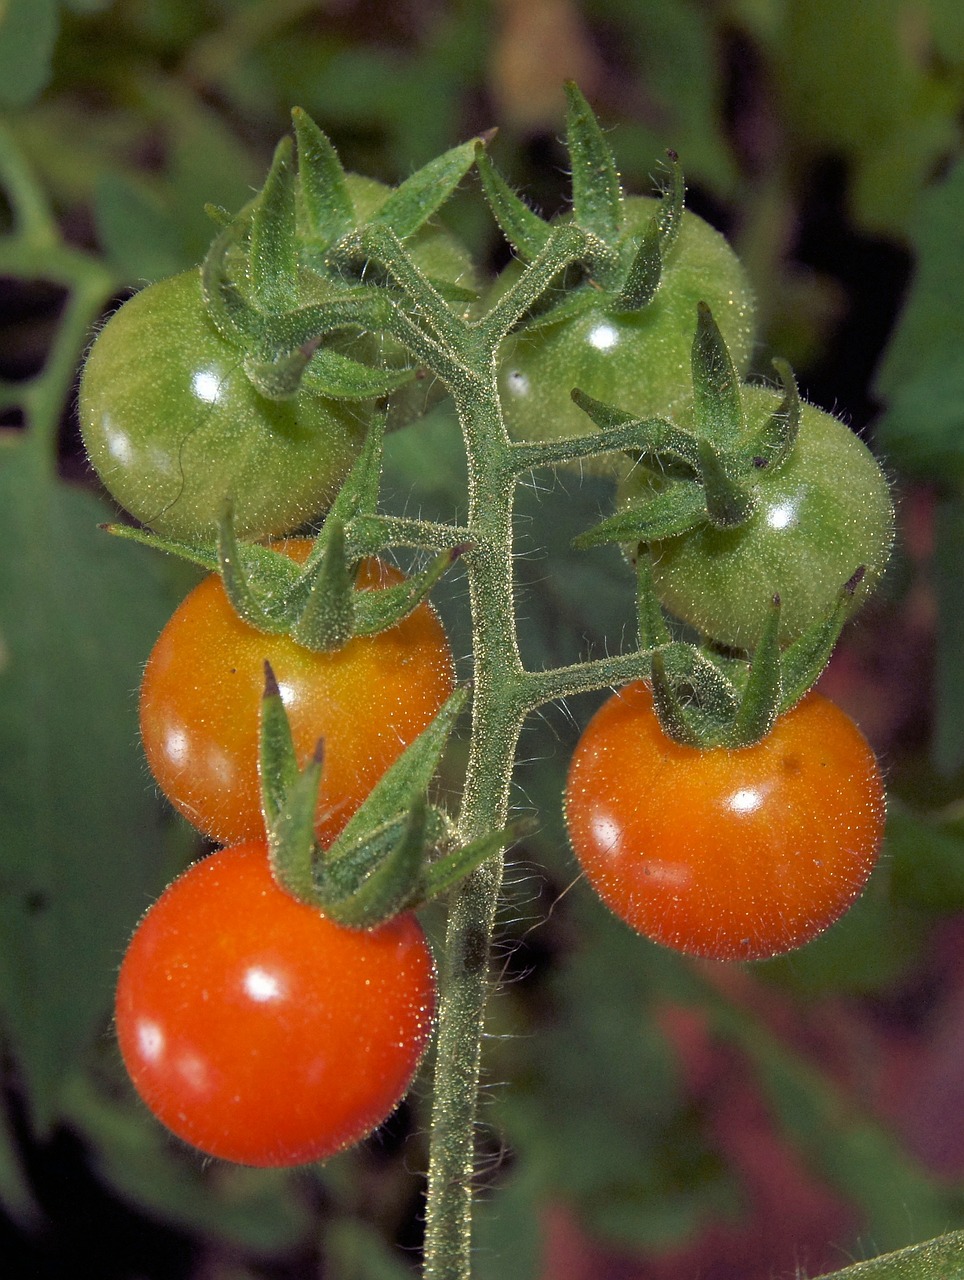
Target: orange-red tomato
x=201, y=699
x=260, y=1031
x=731, y=855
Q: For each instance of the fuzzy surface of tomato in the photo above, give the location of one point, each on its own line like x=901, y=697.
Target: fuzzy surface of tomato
x=201, y=698
x=729, y=855
x=258, y=1030
x=639, y=361
x=820, y=515
x=173, y=426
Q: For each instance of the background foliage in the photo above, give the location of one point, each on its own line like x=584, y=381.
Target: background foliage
x=647, y=1118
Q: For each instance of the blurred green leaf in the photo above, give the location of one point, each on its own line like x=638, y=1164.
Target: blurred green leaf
x=927, y=861
x=859, y=1157
x=28, y=33
x=506, y=1227
x=256, y=1209
x=354, y=1251
x=140, y=240
x=947, y=747
x=922, y=375
x=16, y=1196
x=79, y=826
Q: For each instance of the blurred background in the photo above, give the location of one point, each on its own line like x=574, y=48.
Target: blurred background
x=645, y=1117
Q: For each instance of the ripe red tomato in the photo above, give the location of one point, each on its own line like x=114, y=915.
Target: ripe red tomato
x=260, y=1031
x=201, y=698
x=731, y=855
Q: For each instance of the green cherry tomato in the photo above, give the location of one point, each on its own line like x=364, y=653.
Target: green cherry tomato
x=260, y=1031
x=173, y=426
x=639, y=361
x=824, y=512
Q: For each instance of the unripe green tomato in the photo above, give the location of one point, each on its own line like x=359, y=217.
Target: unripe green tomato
x=173, y=425
x=824, y=512
x=639, y=361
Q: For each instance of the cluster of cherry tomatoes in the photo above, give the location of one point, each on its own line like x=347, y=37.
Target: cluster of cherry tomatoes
x=253, y=1026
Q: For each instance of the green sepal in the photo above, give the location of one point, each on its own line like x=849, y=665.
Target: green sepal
x=597, y=203
x=778, y=435
x=652, y=626
x=377, y=610
x=234, y=318
x=448, y=871
x=358, y=494
x=325, y=199
x=411, y=205
x=657, y=438
x=672, y=203
x=760, y=701
x=291, y=835
x=569, y=306
x=805, y=659
x=278, y=378
x=718, y=402
x=204, y=554
x=694, y=701
x=390, y=886
x=645, y=271
x=331, y=374
x=407, y=778
x=524, y=230
x=728, y=503
x=261, y=603
x=325, y=613
x=277, y=763
x=272, y=257
x=679, y=507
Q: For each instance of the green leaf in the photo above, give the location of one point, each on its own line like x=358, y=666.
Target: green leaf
x=79, y=830
x=927, y=860
x=248, y=1209
x=524, y=230
x=28, y=34
x=948, y=575
x=137, y=233
x=939, y=1259
x=413, y=203
x=353, y=1251
x=596, y=194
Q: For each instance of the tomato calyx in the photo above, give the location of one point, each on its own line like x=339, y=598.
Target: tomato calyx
x=704, y=474
x=290, y=269
x=396, y=852
x=708, y=698
x=316, y=603
x=621, y=268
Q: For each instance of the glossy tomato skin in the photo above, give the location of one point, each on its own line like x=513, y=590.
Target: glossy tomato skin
x=201, y=698
x=258, y=1030
x=173, y=425
x=729, y=855
x=639, y=361
x=820, y=515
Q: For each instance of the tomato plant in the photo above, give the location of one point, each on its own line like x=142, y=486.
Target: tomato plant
x=260, y=1031
x=201, y=697
x=822, y=513
x=173, y=425
x=731, y=855
x=639, y=360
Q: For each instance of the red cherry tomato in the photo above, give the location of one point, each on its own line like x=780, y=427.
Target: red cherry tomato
x=260, y=1031
x=201, y=699
x=731, y=855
